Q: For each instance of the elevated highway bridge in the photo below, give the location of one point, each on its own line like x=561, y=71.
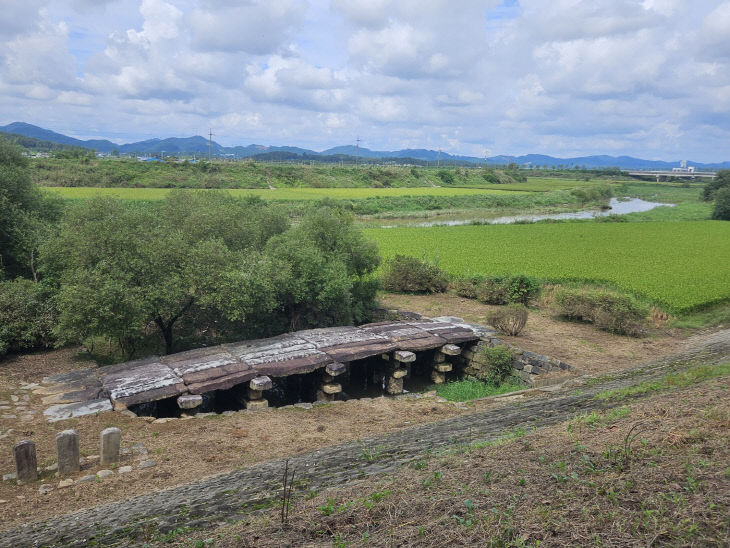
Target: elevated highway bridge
x=676, y=174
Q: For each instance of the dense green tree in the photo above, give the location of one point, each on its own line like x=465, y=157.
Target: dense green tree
x=325, y=271
x=722, y=180
x=23, y=213
x=721, y=211
x=204, y=265
x=27, y=315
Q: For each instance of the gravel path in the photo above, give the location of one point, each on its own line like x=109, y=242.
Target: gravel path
x=229, y=496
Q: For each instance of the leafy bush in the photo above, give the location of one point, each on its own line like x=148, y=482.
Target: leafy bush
x=466, y=287
x=499, y=364
x=510, y=319
x=27, y=316
x=446, y=176
x=607, y=310
x=499, y=289
x=412, y=275
x=493, y=290
x=721, y=211
x=522, y=289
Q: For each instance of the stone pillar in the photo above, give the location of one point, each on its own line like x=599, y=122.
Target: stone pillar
x=26, y=464
x=398, y=370
x=110, y=439
x=440, y=365
x=67, y=445
x=255, y=394
x=328, y=388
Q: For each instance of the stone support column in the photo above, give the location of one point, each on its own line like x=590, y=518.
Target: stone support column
x=256, y=387
x=440, y=364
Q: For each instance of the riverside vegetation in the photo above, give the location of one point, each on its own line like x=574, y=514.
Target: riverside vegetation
x=678, y=266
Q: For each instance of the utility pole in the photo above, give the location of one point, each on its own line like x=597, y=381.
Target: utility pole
x=438, y=161
x=210, y=145
x=357, y=151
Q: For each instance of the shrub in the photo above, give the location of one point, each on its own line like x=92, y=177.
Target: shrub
x=507, y=289
x=510, y=320
x=27, y=316
x=492, y=290
x=412, y=275
x=466, y=287
x=522, y=289
x=721, y=211
x=607, y=310
x=498, y=364
x=446, y=176
x=721, y=180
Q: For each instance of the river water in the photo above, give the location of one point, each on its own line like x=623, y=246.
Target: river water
x=618, y=206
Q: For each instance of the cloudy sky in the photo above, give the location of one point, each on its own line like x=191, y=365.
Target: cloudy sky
x=646, y=78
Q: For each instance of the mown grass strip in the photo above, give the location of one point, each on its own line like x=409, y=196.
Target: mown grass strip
x=465, y=390
x=675, y=380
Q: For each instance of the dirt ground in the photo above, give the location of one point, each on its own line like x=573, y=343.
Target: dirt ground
x=579, y=344
x=187, y=449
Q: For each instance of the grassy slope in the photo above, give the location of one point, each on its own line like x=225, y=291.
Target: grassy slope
x=679, y=264
x=651, y=471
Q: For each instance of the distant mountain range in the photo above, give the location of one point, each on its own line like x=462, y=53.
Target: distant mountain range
x=188, y=146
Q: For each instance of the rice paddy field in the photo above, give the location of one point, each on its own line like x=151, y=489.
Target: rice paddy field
x=682, y=266
x=285, y=194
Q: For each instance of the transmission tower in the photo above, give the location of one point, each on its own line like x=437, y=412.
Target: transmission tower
x=210, y=144
x=357, y=151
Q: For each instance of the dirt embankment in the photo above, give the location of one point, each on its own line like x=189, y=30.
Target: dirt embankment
x=186, y=450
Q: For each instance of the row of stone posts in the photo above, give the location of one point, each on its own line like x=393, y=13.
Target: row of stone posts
x=67, y=447
x=399, y=364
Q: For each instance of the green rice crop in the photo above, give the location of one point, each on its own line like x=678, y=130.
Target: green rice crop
x=680, y=265
x=287, y=194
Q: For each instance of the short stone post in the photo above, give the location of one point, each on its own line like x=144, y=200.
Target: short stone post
x=399, y=369
x=26, y=464
x=440, y=365
x=110, y=439
x=256, y=387
x=67, y=445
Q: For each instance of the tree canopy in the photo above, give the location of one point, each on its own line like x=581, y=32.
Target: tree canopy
x=204, y=264
x=24, y=210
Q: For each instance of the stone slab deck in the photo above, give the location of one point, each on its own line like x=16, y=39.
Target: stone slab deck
x=224, y=366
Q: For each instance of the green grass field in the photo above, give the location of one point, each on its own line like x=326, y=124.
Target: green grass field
x=680, y=265
x=288, y=194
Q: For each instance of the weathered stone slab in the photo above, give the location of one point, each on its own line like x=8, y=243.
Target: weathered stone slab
x=404, y=356
x=331, y=388
x=280, y=356
x=345, y=344
x=394, y=386
x=71, y=410
x=451, y=333
x=406, y=335
x=336, y=368
x=451, y=350
x=221, y=383
x=189, y=401
x=196, y=365
x=142, y=381
x=400, y=373
x=261, y=382
x=443, y=367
